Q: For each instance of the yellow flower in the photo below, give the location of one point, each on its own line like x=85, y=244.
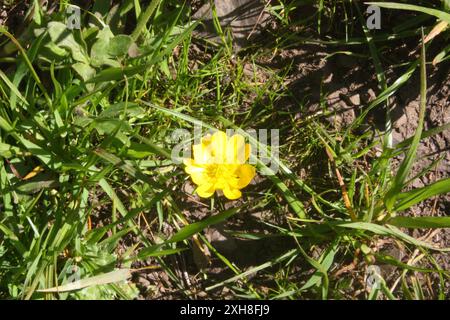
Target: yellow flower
x=219, y=164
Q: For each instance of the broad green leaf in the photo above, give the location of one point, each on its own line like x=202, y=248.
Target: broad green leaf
x=63, y=37
x=119, y=45
x=99, y=51
x=116, y=73
x=85, y=71
x=115, y=110
x=51, y=51
x=112, y=126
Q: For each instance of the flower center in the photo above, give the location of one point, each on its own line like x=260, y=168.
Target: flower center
x=216, y=171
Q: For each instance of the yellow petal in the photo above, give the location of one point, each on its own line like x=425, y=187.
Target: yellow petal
x=233, y=180
x=206, y=140
x=236, y=153
x=248, y=151
x=246, y=173
x=206, y=190
x=232, y=193
x=188, y=162
x=199, y=177
x=198, y=173
x=202, y=153
x=219, y=146
x=192, y=168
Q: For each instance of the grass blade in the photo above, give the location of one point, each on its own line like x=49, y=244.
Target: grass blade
x=420, y=222
x=400, y=6
x=110, y=277
x=196, y=227
x=407, y=163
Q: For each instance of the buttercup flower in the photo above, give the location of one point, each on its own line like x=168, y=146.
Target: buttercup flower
x=219, y=164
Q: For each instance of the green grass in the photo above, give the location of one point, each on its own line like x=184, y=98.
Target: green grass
x=90, y=114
